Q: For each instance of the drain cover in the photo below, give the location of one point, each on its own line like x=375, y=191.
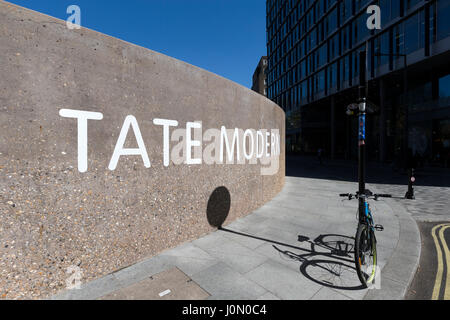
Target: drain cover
x=171, y=284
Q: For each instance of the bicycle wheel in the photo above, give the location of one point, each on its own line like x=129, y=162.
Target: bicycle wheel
x=365, y=255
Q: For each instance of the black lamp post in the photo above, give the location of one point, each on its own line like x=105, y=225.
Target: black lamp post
x=363, y=93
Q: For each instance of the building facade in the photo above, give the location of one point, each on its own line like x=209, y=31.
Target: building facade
x=259, y=77
x=313, y=49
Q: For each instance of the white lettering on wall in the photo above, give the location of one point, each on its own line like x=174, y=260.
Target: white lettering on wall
x=119, y=150
x=224, y=141
x=192, y=143
x=261, y=146
x=166, y=145
x=82, y=117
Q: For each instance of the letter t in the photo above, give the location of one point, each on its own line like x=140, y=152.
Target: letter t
x=83, y=117
x=166, y=124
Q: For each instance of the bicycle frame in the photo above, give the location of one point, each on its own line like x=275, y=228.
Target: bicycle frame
x=361, y=160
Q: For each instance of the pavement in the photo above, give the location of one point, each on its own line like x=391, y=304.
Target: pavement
x=296, y=247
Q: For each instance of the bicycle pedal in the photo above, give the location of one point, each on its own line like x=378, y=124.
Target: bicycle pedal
x=379, y=227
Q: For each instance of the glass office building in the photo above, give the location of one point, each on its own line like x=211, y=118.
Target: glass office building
x=313, y=49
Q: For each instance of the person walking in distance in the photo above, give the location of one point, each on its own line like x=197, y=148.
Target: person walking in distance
x=319, y=155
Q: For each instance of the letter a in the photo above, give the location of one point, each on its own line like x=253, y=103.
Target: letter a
x=121, y=151
x=74, y=21
x=374, y=21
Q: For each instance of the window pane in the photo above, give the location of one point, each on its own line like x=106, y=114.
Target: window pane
x=443, y=21
x=332, y=75
x=412, y=35
x=444, y=87
x=385, y=7
x=411, y=3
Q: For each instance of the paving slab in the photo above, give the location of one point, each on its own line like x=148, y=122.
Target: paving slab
x=329, y=294
x=224, y=283
x=171, y=284
x=268, y=296
x=292, y=261
x=236, y=256
x=91, y=290
x=283, y=282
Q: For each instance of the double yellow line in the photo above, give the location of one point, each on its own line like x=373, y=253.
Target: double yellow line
x=443, y=254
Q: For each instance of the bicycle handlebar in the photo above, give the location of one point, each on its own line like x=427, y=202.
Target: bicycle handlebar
x=356, y=196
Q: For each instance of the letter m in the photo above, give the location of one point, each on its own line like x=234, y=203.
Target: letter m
x=230, y=150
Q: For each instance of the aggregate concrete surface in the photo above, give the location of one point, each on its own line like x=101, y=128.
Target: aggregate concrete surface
x=55, y=219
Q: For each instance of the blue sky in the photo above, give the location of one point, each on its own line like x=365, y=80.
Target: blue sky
x=226, y=37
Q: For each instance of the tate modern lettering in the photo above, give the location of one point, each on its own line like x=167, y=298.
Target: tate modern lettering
x=222, y=146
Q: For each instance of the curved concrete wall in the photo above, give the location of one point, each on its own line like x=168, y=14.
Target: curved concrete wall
x=53, y=216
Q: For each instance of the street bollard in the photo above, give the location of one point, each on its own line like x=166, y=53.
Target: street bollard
x=411, y=179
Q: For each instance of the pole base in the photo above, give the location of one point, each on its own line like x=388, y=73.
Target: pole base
x=410, y=195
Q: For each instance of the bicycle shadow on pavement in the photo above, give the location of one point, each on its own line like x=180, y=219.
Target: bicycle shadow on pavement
x=328, y=261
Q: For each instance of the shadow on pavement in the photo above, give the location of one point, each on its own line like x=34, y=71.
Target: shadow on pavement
x=328, y=262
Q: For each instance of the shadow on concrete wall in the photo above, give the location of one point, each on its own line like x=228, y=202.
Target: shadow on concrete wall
x=219, y=204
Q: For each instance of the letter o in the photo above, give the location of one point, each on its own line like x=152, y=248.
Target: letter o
x=249, y=133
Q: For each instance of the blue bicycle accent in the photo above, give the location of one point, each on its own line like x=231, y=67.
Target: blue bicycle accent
x=362, y=127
